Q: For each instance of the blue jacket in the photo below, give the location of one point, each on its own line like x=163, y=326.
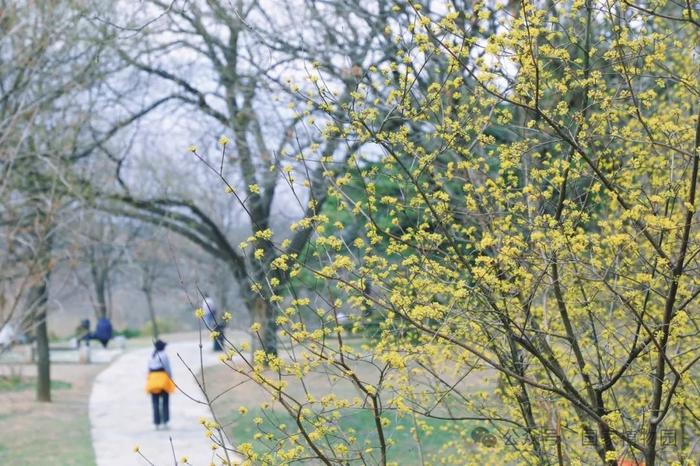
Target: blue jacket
x=104, y=329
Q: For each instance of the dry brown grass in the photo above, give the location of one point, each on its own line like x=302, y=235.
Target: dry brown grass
x=33, y=433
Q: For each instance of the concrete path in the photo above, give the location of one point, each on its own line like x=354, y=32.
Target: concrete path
x=121, y=413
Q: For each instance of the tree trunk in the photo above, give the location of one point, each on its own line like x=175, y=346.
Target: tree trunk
x=263, y=313
x=39, y=298
x=222, y=287
x=99, y=279
x=151, y=311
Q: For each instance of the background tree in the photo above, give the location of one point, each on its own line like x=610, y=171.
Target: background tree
x=51, y=62
x=155, y=267
x=43, y=63
x=101, y=245
x=242, y=48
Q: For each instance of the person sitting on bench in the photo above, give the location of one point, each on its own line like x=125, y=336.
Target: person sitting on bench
x=102, y=333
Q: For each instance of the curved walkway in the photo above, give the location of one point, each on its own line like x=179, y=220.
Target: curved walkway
x=120, y=411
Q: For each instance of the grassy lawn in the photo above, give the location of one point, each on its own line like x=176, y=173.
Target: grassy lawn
x=235, y=391
x=18, y=384
x=405, y=451
x=39, y=434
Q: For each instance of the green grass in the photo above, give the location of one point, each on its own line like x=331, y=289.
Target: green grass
x=435, y=434
x=39, y=434
x=18, y=384
x=64, y=442
x=434, y=441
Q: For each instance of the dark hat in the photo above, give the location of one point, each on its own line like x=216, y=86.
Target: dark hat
x=159, y=344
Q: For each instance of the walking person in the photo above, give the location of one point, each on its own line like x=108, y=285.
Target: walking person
x=213, y=322
x=160, y=384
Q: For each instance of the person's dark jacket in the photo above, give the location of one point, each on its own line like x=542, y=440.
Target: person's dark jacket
x=103, y=332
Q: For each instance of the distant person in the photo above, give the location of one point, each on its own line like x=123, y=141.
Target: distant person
x=82, y=331
x=209, y=308
x=103, y=332
x=160, y=384
x=213, y=322
x=7, y=335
